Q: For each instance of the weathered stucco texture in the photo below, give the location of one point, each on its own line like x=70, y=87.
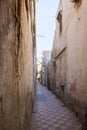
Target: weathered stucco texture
x=70, y=54
x=16, y=65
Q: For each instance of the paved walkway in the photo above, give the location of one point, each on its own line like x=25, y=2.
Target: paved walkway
x=50, y=114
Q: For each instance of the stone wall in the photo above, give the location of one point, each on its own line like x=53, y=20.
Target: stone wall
x=16, y=64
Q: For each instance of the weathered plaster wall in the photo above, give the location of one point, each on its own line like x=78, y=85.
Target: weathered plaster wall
x=70, y=47
x=16, y=60
x=77, y=67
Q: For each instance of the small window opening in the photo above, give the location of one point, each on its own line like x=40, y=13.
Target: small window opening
x=54, y=63
x=54, y=66
x=59, y=18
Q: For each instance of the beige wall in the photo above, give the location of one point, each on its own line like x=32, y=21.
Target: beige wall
x=77, y=67
x=71, y=55
x=16, y=65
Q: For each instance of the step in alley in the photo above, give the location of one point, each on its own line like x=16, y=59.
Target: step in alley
x=49, y=113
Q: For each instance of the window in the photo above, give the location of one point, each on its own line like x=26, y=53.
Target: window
x=59, y=18
x=54, y=63
x=54, y=66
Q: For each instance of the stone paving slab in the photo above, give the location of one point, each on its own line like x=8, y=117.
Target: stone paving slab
x=50, y=114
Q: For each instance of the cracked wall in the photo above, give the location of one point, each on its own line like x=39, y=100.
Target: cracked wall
x=16, y=64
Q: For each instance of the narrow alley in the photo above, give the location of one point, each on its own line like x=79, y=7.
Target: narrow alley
x=43, y=64
x=49, y=113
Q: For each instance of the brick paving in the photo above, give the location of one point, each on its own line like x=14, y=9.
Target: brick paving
x=49, y=113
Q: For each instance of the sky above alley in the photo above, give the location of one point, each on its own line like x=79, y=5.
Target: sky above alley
x=45, y=19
